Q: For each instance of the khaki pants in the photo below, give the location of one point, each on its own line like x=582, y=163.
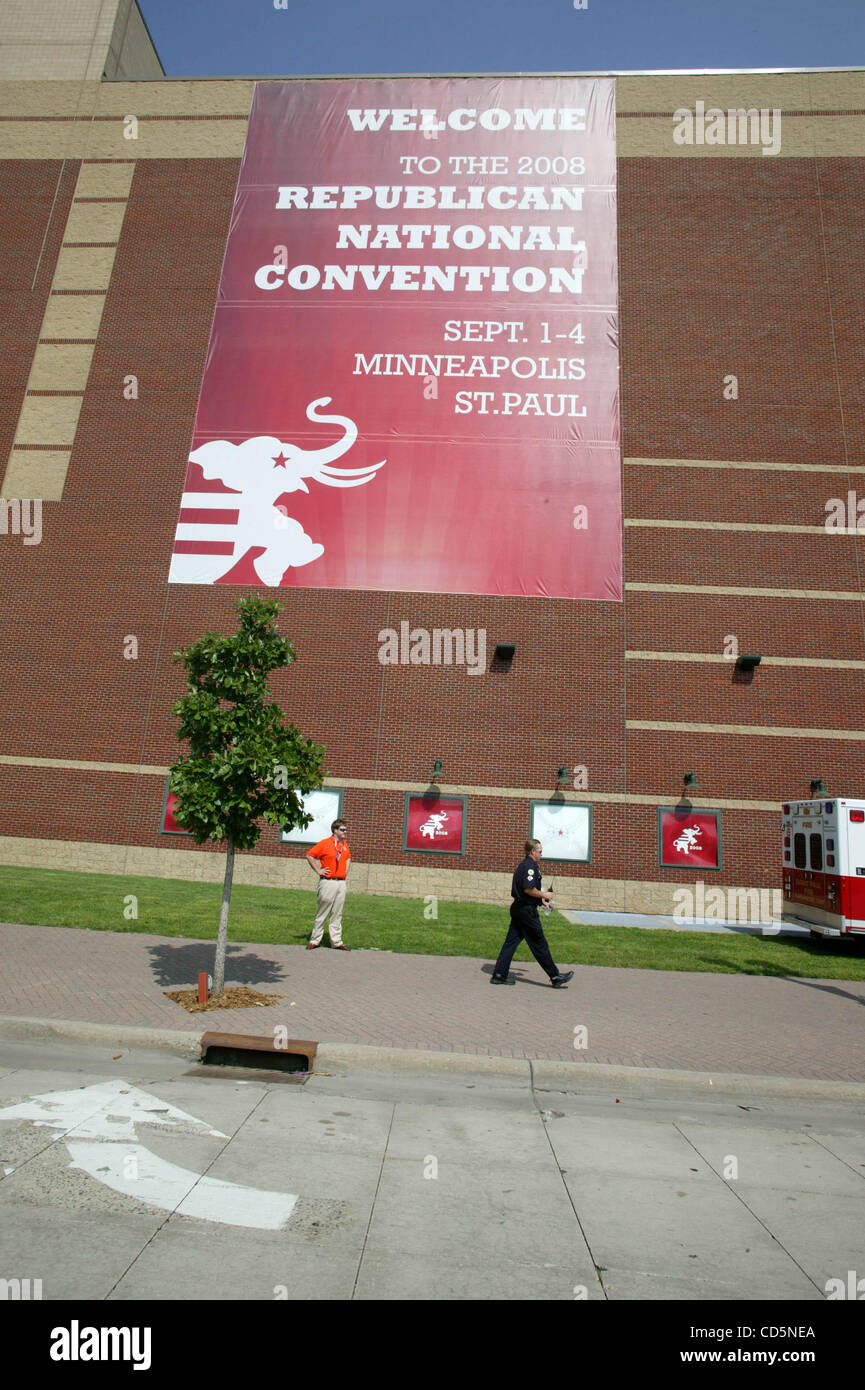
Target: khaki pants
x=331, y=896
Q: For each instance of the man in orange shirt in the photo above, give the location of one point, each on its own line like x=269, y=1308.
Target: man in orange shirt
x=333, y=856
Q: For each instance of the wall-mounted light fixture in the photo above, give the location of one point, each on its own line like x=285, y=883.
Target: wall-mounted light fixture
x=504, y=651
x=818, y=786
x=748, y=663
x=562, y=777
x=690, y=781
x=437, y=770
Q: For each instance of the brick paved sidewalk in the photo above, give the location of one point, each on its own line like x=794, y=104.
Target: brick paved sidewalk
x=645, y=1018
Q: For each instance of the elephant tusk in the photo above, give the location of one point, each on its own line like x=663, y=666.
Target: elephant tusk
x=345, y=482
x=350, y=472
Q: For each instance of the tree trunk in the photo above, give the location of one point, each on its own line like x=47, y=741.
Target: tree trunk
x=222, y=939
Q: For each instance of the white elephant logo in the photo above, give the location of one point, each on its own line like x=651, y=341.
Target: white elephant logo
x=260, y=470
x=435, y=825
x=688, y=839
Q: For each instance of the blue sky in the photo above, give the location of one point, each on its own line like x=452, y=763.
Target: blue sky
x=253, y=38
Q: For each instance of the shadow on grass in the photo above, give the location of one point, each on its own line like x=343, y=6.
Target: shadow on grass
x=807, y=949
x=180, y=965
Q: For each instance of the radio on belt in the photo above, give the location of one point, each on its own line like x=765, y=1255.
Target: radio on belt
x=823, y=865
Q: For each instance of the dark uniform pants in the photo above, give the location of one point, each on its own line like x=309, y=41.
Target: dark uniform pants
x=526, y=926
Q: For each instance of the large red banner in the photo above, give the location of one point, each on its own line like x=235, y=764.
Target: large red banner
x=412, y=377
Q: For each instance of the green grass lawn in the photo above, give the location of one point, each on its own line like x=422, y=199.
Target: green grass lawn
x=174, y=907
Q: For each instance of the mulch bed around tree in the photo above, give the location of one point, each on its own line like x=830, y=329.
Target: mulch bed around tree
x=232, y=998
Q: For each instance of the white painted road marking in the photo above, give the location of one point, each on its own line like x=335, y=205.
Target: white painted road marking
x=107, y=1110
x=98, y=1127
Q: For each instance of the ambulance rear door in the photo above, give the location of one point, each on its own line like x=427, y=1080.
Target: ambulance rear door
x=809, y=868
x=853, y=880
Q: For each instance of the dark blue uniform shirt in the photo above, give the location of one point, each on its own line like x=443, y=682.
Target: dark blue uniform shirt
x=527, y=875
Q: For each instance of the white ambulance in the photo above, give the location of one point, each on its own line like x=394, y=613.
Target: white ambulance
x=823, y=861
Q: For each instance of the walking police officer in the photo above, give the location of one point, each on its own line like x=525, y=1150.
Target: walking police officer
x=527, y=892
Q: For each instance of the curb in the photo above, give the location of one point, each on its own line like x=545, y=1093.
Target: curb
x=187, y=1044
x=542, y=1073
x=409, y=1059
x=590, y=1076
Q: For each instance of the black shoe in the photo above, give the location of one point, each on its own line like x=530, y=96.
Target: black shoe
x=559, y=981
x=501, y=980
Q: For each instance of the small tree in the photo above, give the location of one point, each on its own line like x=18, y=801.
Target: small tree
x=244, y=765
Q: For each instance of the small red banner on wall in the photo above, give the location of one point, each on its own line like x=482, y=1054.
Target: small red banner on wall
x=435, y=824
x=689, y=839
x=169, y=825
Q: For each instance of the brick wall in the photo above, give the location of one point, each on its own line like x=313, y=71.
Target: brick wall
x=750, y=267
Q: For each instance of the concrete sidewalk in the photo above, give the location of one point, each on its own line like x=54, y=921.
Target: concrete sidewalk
x=680, y=1021
x=405, y=1187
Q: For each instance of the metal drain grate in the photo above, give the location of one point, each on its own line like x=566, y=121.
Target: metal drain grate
x=257, y=1053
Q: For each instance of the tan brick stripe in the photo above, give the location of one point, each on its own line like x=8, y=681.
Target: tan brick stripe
x=803, y=136
x=199, y=116
x=678, y=525
x=817, y=661
x=667, y=115
x=204, y=136
x=839, y=468
x=796, y=91
x=823, y=115
x=754, y=730
x=48, y=420
x=371, y=784
x=842, y=594
x=242, y=115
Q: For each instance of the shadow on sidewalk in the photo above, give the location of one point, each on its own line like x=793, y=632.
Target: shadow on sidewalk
x=180, y=965
x=827, y=989
x=519, y=974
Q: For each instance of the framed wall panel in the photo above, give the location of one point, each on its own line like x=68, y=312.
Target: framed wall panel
x=434, y=824
x=564, y=829
x=168, y=825
x=689, y=839
x=324, y=806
